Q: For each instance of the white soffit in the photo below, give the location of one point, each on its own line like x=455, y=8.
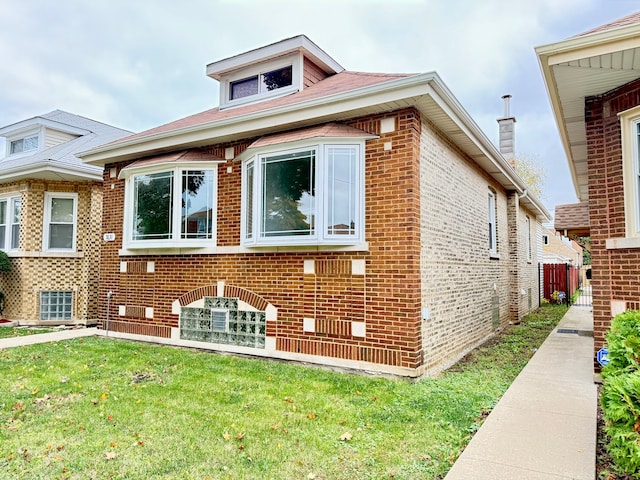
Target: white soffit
x=581, y=67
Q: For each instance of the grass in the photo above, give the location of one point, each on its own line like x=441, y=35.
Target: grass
x=7, y=332
x=110, y=409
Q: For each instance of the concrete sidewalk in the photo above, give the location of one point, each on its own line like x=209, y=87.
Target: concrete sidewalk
x=544, y=427
x=47, y=337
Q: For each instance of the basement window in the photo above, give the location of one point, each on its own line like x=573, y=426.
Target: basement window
x=56, y=305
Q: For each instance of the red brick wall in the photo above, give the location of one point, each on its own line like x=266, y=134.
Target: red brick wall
x=616, y=273
x=387, y=297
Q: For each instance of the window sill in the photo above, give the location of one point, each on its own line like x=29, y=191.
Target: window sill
x=19, y=254
x=494, y=256
x=620, y=243
x=239, y=250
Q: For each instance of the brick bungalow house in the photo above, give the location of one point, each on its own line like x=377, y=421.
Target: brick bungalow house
x=341, y=218
x=593, y=80
x=50, y=217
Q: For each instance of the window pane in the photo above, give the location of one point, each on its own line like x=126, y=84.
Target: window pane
x=61, y=236
x=152, y=209
x=17, y=146
x=62, y=210
x=244, y=88
x=197, y=204
x=279, y=78
x=492, y=221
x=288, y=200
x=3, y=223
x=30, y=143
x=341, y=191
x=249, y=201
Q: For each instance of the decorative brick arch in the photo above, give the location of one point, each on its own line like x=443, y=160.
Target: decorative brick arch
x=247, y=296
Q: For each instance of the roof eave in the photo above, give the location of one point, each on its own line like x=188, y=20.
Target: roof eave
x=44, y=169
x=572, y=49
x=376, y=97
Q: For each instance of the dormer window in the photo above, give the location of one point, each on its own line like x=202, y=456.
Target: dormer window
x=23, y=144
x=262, y=83
x=265, y=80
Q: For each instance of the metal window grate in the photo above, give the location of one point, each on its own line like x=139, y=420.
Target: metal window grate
x=219, y=320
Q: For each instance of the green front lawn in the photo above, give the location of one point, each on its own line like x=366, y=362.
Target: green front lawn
x=99, y=408
x=7, y=332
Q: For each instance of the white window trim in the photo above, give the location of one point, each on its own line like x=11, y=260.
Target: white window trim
x=9, y=221
x=294, y=60
x=37, y=132
x=320, y=237
x=492, y=213
x=176, y=242
x=629, y=121
x=48, y=196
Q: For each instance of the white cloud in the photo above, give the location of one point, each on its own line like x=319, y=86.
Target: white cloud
x=137, y=64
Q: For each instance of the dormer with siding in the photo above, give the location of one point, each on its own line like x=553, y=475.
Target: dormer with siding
x=272, y=71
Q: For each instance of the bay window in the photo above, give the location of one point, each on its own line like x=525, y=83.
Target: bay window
x=171, y=207
x=309, y=195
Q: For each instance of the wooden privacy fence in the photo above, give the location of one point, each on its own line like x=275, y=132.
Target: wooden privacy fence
x=560, y=277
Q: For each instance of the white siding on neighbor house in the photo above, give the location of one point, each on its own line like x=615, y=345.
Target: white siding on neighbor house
x=461, y=284
x=56, y=137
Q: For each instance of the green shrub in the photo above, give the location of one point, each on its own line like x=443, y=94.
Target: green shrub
x=620, y=398
x=5, y=263
x=623, y=341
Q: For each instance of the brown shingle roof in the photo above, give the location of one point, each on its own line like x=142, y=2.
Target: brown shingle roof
x=573, y=218
x=327, y=130
x=632, y=19
x=183, y=156
x=338, y=83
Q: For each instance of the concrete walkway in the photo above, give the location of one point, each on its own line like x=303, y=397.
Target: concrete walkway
x=544, y=427
x=65, y=334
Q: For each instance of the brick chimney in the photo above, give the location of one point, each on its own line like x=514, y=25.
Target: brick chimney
x=507, y=132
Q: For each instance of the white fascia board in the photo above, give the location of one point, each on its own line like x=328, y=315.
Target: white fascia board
x=46, y=167
x=217, y=69
x=25, y=125
x=585, y=46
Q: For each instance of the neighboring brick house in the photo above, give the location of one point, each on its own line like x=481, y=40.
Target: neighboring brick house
x=557, y=248
x=50, y=217
x=341, y=218
x=593, y=80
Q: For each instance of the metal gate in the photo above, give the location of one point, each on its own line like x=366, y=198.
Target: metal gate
x=584, y=298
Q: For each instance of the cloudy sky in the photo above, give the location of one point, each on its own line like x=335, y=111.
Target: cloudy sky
x=137, y=64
